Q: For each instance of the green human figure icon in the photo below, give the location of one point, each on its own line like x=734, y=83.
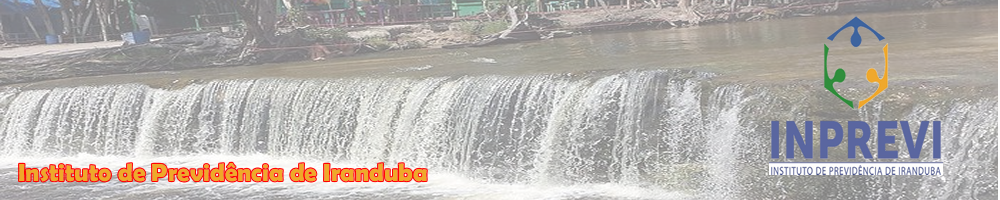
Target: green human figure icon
x=838, y=77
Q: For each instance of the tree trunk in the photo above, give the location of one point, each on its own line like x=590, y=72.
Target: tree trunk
x=604, y=6
x=67, y=23
x=90, y=15
x=33, y=29
x=103, y=18
x=732, y=9
x=3, y=37
x=26, y=19
x=288, y=4
x=260, y=19
x=114, y=18
x=683, y=4
x=514, y=21
x=81, y=15
x=45, y=16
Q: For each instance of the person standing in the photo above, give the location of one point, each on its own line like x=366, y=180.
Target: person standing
x=317, y=51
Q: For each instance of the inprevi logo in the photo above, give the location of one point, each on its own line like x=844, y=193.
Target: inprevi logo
x=832, y=133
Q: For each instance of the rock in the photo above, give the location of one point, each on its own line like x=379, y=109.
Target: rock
x=369, y=33
x=556, y=34
x=438, y=27
x=485, y=60
x=429, y=38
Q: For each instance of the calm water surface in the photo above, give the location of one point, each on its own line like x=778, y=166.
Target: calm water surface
x=944, y=46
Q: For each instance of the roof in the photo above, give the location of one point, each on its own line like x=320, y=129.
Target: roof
x=26, y=5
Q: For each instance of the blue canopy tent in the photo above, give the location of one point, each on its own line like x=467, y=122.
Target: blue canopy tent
x=15, y=16
x=27, y=5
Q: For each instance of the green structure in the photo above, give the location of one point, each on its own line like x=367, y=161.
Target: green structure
x=467, y=7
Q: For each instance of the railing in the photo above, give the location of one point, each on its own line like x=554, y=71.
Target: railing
x=21, y=37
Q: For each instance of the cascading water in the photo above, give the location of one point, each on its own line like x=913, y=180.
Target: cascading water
x=974, y=132
x=654, y=134
x=724, y=139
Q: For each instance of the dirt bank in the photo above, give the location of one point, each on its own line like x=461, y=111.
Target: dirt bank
x=182, y=52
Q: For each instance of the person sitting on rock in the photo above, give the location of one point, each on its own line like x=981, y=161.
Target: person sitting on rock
x=318, y=51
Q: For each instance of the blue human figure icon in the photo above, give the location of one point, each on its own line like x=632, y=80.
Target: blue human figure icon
x=856, y=38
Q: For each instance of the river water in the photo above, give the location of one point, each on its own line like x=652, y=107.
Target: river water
x=663, y=114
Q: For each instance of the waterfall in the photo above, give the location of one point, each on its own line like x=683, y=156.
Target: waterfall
x=724, y=140
x=668, y=129
x=969, y=149
x=559, y=127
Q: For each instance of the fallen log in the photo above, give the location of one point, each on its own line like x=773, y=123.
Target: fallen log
x=521, y=28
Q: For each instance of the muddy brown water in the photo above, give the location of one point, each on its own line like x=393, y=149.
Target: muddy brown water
x=662, y=114
x=942, y=46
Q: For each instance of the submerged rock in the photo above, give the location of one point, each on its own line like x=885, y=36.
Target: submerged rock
x=485, y=60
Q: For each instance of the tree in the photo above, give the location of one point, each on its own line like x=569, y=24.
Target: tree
x=26, y=19
x=90, y=8
x=65, y=12
x=686, y=5
x=3, y=37
x=45, y=16
x=260, y=19
x=103, y=16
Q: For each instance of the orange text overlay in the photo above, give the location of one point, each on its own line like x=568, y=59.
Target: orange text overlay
x=223, y=172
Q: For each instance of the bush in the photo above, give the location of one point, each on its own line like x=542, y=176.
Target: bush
x=493, y=27
x=479, y=29
x=330, y=35
x=295, y=16
x=467, y=27
x=378, y=43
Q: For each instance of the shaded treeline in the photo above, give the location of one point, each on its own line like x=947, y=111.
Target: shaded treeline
x=99, y=20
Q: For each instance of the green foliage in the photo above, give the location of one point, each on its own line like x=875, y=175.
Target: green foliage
x=330, y=35
x=297, y=16
x=378, y=43
x=492, y=27
x=477, y=28
x=467, y=27
x=413, y=45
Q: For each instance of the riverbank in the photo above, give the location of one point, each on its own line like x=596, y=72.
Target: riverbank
x=54, y=49
x=215, y=49
x=657, y=114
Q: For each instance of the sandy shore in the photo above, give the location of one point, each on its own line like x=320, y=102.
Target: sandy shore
x=52, y=49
